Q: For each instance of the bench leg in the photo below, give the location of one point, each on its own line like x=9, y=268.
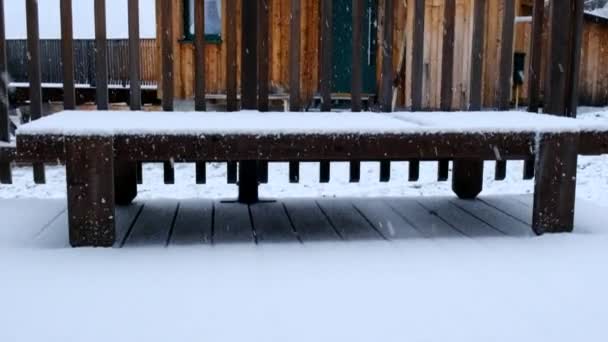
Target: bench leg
x=248, y=181
x=5, y=173
x=467, y=178
x=90, y=181
x=555, y=184
x=125, y=182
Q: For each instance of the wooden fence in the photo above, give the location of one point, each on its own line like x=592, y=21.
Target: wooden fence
x=562, y=65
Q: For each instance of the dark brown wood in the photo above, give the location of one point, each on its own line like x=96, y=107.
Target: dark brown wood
x=413, y=170
x=7, y=156
x=385, y=171
x=167, y=54
x=263, y=172
x=232, y=172
x=467, y=178
x=294, y=172
x=536, y=52
x=125, y=182
x=576, y=37
x=324, y=171
x=67, y=55
x=5, y=130
x=231, y=57
x=326, y=67
x=294, y=57
x=418, y=55
x=140, y=173
x=249, y=54
x=263, y=56
x=34, y=73
x=357, y=74
x=200, y=104
x=134, y=56
x=6, y=176
x=443, y=170
x=248, y=182
x=447, y=61
x=89, y=173
x=201, y=172
x=169, y=172
x=529, y=169
x=477, y=53
x=101, y=56
x=505, y=75
x=355, y=172
x=387, y=79
x=500, y=172
x=555, y=185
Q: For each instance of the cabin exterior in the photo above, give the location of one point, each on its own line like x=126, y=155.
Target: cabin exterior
x=593, y=80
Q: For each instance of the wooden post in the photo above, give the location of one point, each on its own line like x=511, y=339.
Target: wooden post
x=555, y=184
x=67, y=55
x=34, y=72
x=388, y=76
x=200, y=104
x=231, y=56
x=447, y=73
x=294, y=75
x=263, y=72
x=418, y=55
x=576, y=37
x=5, y=132
x=357, y=74
x=101, y=55
x=467, y=175
x=90, y=180
x=248, y=182
x=167, y=54
x=325, y=77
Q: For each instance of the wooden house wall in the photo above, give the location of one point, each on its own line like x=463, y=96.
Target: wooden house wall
x=593, y=80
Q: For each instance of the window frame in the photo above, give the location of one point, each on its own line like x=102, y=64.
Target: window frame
x=215, y=38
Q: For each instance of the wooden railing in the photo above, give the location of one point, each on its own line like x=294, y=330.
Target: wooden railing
x=560, y=82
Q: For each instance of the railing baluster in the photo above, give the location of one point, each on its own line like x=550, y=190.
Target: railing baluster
x=263, y=72
x=231, y=56
x=134, y=56
x=5, y=131
x=357, y=76
x=167, y=69
x=101, y=56
x=386, y=96
x=67, y=55
x=417, y=73
x=447, y=73
x=294, y=75
x=34, y=72
x=325, y=78
x=200, y=103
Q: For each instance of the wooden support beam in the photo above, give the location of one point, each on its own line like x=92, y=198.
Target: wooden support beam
x=231, y=56
x=35, y=74
x=167, y=54
x=101, y=56
x=200, y=104
x=326, y=74
x=90, y=181
x=67, y=55
x=418, y=55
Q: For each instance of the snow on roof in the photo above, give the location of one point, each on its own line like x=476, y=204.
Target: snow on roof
x=83, y=18
x=251, y=122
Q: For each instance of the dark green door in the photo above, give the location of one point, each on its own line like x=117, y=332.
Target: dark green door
x=342, y=45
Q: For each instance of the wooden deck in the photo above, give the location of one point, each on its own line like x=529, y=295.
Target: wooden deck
x=168, y=223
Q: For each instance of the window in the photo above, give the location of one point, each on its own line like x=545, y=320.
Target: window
x=213, y=19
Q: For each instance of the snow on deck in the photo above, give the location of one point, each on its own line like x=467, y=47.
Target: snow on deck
x=443, y=286
x=252, y=122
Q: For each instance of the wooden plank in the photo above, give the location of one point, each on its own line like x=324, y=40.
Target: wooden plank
x=417, y=69
x=232, y=172
x=357, y=73
x=249, y=54
x=168, y=172
x=385, y=219
x=354, y=171
x=443, y=170
x=200, y=103
x=309, y=221
x=101, y=56
x=387, y=77
x=294, y=172
x=326, y=68
x=413, y=170
x=505, y=75
x=385, y=171
x=535, y=65
x=348, y=222
x=459, y=219
x=271, y=223
x=555, y=186
x=154, y=225
x=426, y=222
x=193, y=223
x=90, y=182
x=263, y=56
x=477, y=56
x=555, y=85
x=231, y=57
x=34, y=74
x=510, y=207
x=167, y=55
x=232, y=224
x=324, y=172
x=67, y=55
x=494, y=217
x=447, y=61
x=201, y=172
x=294, y=57
x=126, y=216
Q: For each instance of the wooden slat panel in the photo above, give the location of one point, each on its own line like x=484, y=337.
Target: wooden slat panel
x=294, y=57
x=326, y=74
x=447, y=61
x=199, y=57
x=309, y=221
x=154, y=225
x=167, y=55
x=231, y=57
x=505, y=75
x=67, y=55
x=477, y=56
x=232, y=223
x=271, y=223
x=418, y=55
x=349, y=223
x=193, y=223
x=101, y=56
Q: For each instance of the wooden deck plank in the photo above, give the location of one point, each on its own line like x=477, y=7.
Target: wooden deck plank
x=428, y=224
x=386, y=220
x=494, y=217
x=271, y=223
x=510, y=207
x=232, y=223
x=125, y=219
x=309, y=221
x=193, y=223
x=153, y=226
x=459, y=219
x=348, y=222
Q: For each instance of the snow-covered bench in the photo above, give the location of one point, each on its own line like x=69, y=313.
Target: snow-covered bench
x=97, y=148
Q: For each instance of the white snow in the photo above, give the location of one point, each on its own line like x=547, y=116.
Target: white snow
x=250, y=122
x=602, y=12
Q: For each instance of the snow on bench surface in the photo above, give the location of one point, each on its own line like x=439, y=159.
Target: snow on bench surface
x=253, y=122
